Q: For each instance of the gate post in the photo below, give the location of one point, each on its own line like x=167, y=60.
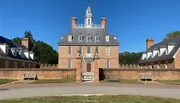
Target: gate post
x=96, y=70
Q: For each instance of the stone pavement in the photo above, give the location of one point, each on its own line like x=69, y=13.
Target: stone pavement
x=21, y=90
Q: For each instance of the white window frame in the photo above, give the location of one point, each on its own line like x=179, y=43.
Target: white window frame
x=107, y=38
x=159, y=66
x=87, y=50
x=69, y=61
x=108, y=64
x=87, y=38
x=6, y=64
x=166, y=65
x=69, y=38
x=97, y=38
x=69, y=51
x=80, y=38
x=108, y=51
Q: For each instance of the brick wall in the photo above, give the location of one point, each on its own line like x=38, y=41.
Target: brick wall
x=64, y=56
x=42, y=73
x=161, y=74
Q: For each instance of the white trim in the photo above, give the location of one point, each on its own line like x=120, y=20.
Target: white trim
x=108, y=51
x=68, y=50
x=70, y=63
x=176, y=53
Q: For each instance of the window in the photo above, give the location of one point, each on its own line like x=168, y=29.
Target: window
x=97, y=38
x=108, y=64
x=107, y=51
x=97, y=51
x=158, y=66
x=80, y=38
x=152, y=66
x=80, y=50
x=6, y=64
x=69, y=50
x=69, y=38
x=89, y=22
x=23, y=65
x=69, y=63
x=15, y=64
x=107, y=38
x=89, y=38
x=88, y=50
x=166, y=65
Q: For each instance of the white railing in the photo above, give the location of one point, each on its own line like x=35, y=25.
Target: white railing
x=92, y=26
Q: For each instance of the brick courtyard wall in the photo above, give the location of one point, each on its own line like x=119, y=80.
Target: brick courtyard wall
x=42, y=73
x=161, y=74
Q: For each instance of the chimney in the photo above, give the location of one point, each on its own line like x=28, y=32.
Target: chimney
x=25, y=42
x=149, y=43
x=103, y=23
x=73, y=20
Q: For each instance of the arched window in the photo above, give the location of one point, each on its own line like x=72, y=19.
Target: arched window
x=80, y=38
x=89, y=38
x=97, y=38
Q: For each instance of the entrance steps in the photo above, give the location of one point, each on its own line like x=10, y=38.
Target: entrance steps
x=88, y=76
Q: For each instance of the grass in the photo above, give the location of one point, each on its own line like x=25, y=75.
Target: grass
x=93, y=99
x=126, y=81
x=4, y=81
x=175, y=82
x=53, y=81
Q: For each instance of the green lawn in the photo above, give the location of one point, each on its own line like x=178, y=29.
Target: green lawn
x=93, y=99
x=126, y=81
x=175, y=82
x=53, y=81
x=3, y=81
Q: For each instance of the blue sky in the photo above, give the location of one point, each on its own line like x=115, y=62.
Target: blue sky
x=131, y=21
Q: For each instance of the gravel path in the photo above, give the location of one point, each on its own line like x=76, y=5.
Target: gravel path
x=88, y=89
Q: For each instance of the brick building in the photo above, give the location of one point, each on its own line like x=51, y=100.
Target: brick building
x=163, y=55
x=13, y=55
x=87, y=42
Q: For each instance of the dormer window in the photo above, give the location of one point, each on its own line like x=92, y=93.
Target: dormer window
x=162, y=50
x=107, y=38
x=69, y=38
x=80, y=38
x=97, y=38
x=89, y=38
x=170, y=48
x=14, y=51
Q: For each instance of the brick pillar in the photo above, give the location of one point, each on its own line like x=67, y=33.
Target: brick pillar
x=96, y=71
x=78, y=71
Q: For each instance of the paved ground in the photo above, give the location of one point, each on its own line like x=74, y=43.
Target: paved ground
x=18, y=90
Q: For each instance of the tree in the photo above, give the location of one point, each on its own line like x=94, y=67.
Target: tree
x=173, y=34
x=17, y=40
x=44, y=53
x=129, y=58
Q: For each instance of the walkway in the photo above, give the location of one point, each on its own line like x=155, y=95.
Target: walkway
x=17, y=91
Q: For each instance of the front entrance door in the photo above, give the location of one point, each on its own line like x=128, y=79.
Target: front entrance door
x=88, y=67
